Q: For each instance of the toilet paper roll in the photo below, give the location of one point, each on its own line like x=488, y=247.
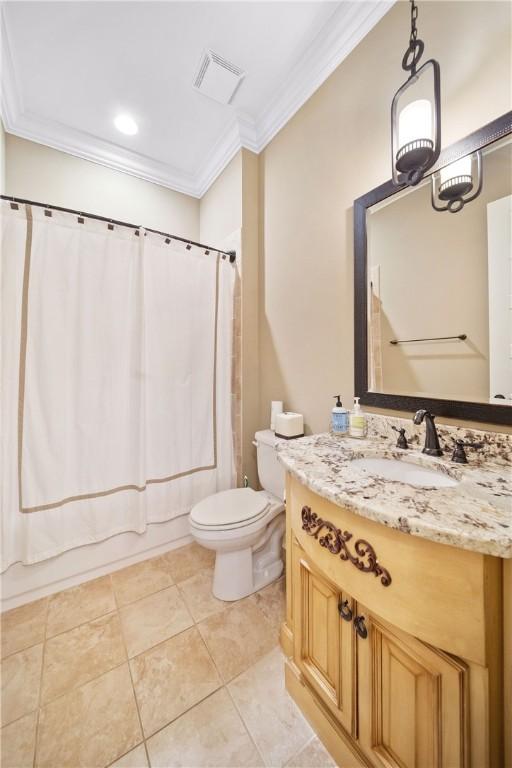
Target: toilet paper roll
x=276, y=406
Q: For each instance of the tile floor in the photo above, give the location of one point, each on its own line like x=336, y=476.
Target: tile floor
x=144, y=667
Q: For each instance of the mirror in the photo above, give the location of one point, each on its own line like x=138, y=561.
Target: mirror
x=436, y=277
x=434, y=294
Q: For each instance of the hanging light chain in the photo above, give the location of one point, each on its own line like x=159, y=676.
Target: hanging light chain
x=414, y=51
x=414, y=16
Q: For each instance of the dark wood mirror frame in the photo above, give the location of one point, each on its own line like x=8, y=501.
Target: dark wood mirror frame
x=493, y=414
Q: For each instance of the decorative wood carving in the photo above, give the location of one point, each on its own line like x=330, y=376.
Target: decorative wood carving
x=336, y=540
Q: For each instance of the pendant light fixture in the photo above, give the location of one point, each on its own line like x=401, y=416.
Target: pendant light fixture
x=416, y=114
x=457, y=184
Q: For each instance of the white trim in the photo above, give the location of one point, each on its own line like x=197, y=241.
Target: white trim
x=79, y=144
x=342, y=33
x=221, y=154
x=347, y=26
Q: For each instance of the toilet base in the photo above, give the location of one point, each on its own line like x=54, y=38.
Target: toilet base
x=241, y=572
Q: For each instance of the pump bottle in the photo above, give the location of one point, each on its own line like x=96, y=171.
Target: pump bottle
x=339, y=418
x=358, y=421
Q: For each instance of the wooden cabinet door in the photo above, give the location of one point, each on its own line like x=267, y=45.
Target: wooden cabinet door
x=412, y=700
x=324, y=642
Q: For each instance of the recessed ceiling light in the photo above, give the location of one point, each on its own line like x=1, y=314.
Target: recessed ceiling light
x=126, y=124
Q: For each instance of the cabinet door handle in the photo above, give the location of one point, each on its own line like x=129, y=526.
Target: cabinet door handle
x=360, y=627
x=344, y=611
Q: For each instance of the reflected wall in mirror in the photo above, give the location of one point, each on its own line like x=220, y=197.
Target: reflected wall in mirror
x=433, y=275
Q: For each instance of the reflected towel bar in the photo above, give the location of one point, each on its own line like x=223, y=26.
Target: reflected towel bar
x=460, y=337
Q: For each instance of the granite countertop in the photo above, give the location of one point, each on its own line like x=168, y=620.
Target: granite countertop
x=476, y=514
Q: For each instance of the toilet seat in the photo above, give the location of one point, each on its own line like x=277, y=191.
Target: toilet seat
x=229, y=510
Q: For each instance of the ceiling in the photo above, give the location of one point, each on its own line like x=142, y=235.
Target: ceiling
x=68, y=68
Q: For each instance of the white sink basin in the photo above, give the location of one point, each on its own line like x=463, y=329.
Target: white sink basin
x=405, y=472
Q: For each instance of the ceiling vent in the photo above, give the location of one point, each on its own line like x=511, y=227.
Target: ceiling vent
x=217, y=78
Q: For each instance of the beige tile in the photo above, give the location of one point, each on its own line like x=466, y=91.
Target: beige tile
x=153, y=619
x=313, y=755
x=272, y=718
x=23, y=626
x=21, y=679
x=197, y=593
x=171, y=678
x=18, y=741
x=237, y=637
x=81, y=654
x=141, y=580
x=79, y=604
x=211, y=734
x=272, y=603
x=186, y=561
x=137, y=758
x=91, y=726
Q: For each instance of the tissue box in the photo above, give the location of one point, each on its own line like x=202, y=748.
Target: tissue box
x=289, y=425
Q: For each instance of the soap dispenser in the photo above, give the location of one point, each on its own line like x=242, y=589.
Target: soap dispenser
x=358, y=422
x=339, y=418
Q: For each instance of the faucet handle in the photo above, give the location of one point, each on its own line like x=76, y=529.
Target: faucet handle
x=401, y=441
x=459, y=454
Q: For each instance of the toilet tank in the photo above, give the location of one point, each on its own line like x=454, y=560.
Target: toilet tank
x=270, y=471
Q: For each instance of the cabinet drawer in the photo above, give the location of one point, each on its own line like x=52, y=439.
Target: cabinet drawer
x=452, y=590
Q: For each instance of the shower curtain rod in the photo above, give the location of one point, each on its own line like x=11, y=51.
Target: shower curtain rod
x=21, y=201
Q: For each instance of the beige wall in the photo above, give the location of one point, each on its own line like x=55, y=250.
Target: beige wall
x=231, y=204
x=333, y=150
x=42, y=174
x=220, y=221
x=433, y=282
x=221, y=206
x=250, y=314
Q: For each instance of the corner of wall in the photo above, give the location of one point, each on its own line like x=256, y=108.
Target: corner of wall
x=250, y=313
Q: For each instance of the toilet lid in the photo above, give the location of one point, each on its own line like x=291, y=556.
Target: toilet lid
x=229, y=508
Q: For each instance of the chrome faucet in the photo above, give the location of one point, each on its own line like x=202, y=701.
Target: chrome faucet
x=432, y=447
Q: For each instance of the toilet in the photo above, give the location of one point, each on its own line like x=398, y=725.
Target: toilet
x=245, y=527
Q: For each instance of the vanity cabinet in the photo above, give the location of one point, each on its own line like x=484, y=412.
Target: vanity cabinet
x=376, y=693
x=402, y=700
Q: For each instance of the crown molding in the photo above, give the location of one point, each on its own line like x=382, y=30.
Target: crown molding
x=342, y=33
x=346, y=27
x=219, y=156
x=21, y=122
x=80, y=144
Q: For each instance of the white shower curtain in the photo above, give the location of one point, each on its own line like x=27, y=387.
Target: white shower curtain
x=116, y=379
